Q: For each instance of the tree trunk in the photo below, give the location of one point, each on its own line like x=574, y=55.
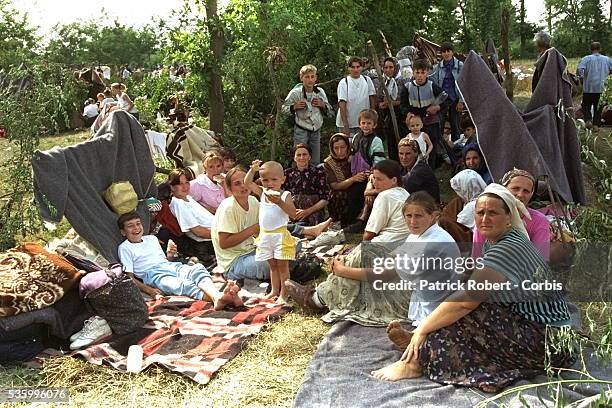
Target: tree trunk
x=505, y=26
x=278, y=120
x=215, y=96
x=523, y=28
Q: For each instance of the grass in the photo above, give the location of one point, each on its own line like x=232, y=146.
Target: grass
x=268, y=372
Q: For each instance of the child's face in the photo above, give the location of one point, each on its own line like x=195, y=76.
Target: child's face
x=271, y=178
x=469, y=132
x=181, y=190
x=389, y=69
x=133, y=230
x=366, y=125
x=228, y=164
x=447, y=129
x=420, y=76
x=415, y=126
x=213, y=168
x=309, y=79
x=100, y=97
x=447, y=55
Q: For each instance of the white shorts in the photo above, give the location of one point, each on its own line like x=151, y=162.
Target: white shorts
x=277, y=244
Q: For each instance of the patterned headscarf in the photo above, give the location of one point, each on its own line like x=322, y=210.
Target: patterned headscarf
x=515, y=173
x=334, y=161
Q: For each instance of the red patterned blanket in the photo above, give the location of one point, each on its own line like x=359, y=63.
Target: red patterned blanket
x=188, y=336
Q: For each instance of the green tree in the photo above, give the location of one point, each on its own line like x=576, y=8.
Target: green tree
x=18, y=40
x=94, y=42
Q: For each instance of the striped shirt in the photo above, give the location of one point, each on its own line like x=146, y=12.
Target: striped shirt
x=519, y=261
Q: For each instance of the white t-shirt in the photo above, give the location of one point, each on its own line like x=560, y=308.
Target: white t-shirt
x=142, y=256
x=356, y=93
x=387, y=218
x=190, y=214
x=271, y=216
x=232, y=218
x=420, y=140
x=91, y=111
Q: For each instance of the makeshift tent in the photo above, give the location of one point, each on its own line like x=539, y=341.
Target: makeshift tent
x=70, y=181
x=542, y=140
x=187, y=144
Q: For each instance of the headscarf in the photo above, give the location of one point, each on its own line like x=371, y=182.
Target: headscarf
x=514, y=204
x=482, y=170
x=516, y=173
x=333, y=161
x=468, y=185
x=414, y=146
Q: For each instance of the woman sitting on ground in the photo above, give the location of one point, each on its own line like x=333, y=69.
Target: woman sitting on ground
x=472, y=159
x=195, y=221
x=308, y=186
x=416, y=173
x=458, y=215
x=490, y=339
x=346, y=197
x=522, y=185
x=348, y=292
x=235, y=226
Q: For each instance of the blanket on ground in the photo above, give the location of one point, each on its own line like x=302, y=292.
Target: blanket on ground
x=188, y=336
x=339, y=376
x=532, y=142
x=70, y=181
x=32, y=278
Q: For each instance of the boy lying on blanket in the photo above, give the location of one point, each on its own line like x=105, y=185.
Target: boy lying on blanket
x=143, y=257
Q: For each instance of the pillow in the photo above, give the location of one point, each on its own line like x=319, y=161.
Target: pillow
x=32, y=278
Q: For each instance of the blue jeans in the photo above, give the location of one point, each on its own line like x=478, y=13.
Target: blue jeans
x=175, y=278
x=310, y=139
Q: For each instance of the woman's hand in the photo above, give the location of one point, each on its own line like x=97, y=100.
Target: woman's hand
x=433, y=109
x=172, y=249
x=412, y=351
x=300, y=214
x=338, y=264
x=360, y=177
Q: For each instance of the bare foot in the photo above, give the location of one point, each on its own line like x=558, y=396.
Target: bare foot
x=398, y=371
x=224, y=298
x=271, y=295
x=282, y=300
x=316, y=230
x=399, y=336
x=234, y=289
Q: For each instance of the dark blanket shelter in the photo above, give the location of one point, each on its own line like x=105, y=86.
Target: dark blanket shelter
x=542, y=140
x=70, y=181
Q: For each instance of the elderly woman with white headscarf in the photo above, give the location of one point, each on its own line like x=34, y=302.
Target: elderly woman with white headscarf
x=485, y=337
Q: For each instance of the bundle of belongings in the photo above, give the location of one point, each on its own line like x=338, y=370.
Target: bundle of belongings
x=187, y=144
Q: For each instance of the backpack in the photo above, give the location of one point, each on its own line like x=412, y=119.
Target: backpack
x=306, y=267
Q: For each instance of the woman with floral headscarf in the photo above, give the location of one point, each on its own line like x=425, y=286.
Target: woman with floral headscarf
x=346, y=196
x=416, y=173
x=522, y=185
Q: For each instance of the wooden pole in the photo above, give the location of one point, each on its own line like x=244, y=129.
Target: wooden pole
x=505, y=25
x=385, y=90
x=386, y=44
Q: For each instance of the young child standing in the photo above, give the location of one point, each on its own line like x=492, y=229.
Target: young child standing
x=308, y=103
x=274, y=244
x=415, y=124
x=143, y=257
x=366, y=144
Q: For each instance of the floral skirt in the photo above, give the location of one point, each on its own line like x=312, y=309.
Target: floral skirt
x=359, y=301
x=490, y=348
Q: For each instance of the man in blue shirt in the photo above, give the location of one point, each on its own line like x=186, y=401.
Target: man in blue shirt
x=594, y=69
x=444, y=75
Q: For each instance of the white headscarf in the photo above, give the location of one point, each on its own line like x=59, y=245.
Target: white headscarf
x=468, y=185
x=515, y=205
